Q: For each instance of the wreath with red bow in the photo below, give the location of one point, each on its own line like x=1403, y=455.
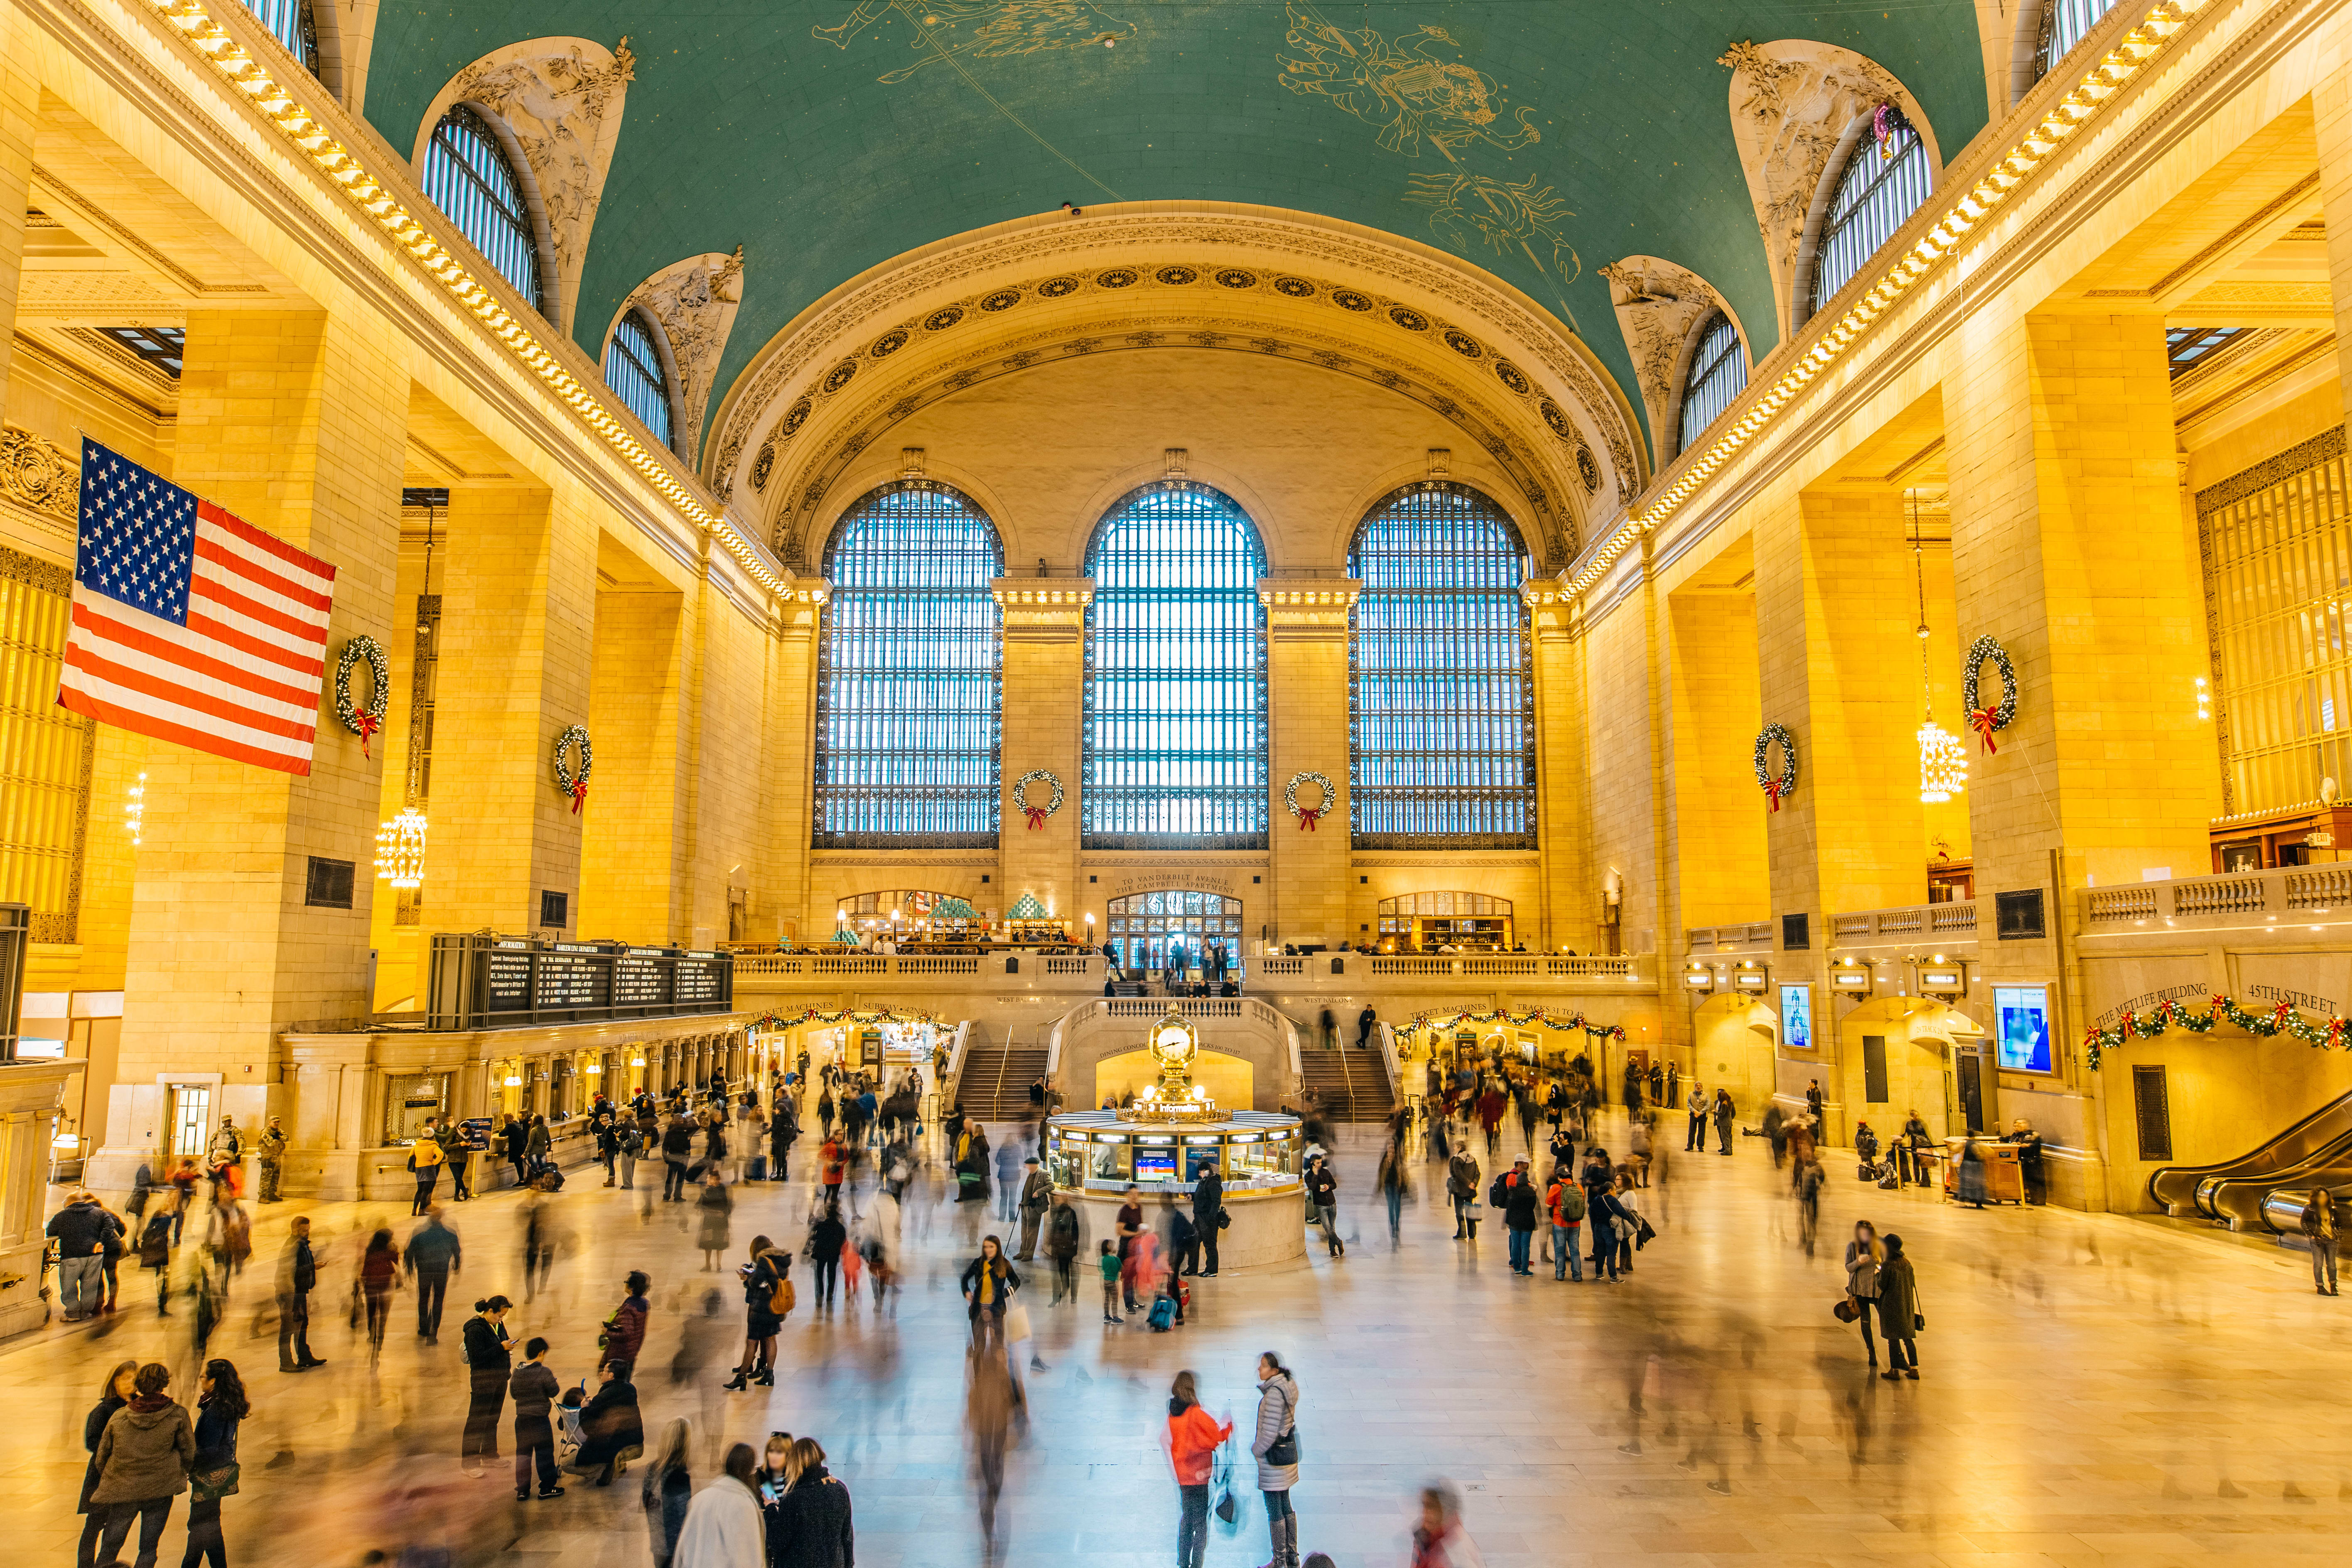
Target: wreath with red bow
x=1982, y=720
x=1036, y=813
x=571, y=783
x=1776, y=787
x=362, y=721
x=1308, y=815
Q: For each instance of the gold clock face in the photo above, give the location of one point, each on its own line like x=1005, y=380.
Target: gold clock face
x=1171, y=1044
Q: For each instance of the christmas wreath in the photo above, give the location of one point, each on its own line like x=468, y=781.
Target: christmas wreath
x=1037, y=814
x=1775, y=786
x=571, y=783
x=1982, y=720
x=362, y=721
x=1308, y=815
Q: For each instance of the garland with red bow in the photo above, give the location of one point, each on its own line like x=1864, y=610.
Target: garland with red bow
x=1438, y=1020
x=1776, y=787
x=1308, y=815
x=1036, y=813
x=571, y=783
x=1985, y=721
x=2281, y=1019
x=362, y=721
x=848, y=1015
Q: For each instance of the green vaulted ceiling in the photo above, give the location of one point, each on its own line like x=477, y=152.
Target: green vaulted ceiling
x=1538, y=138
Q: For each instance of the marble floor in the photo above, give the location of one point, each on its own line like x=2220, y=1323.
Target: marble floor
x=2097, y=1390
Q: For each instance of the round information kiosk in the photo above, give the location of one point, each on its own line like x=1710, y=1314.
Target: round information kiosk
x=1167, y=1141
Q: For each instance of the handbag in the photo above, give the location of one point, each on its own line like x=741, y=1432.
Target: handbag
x=1284, y=1450
x=1846, y=1310
x=214, y=1484
x=1017, y=1323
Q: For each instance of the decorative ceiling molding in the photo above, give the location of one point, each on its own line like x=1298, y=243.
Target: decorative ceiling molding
x=561, y=100
x=1660, y=308
x=694, y=301
x=1311, y=262
x=1793, y=101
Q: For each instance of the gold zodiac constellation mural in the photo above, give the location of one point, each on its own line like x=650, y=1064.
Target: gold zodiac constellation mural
x=1413, y=96
x=990, y=29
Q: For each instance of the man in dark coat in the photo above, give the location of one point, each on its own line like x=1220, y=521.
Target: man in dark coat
x=433, y=1255
x=1520, y=1205
x=613, y=1427
x=297, y=1276
x=1208, y=1202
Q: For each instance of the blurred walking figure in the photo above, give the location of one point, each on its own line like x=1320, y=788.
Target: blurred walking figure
x=1193, y=1437
x=379, y=1277
x=1862, y=1257
x=1439, y=1541
x=1062, y=1247
x=704, y=1342
x=715, y=1204
x=142, y=1460
x=2319, y=1229
x=488, y=1357
x=434, y=1255
x=1275, y=1447
x=1809, y=1177
x=1390, y=1180
x=827, y=1236
x=424, y=1158
x=297, y=1276
x=988, y=1419
x=669, y=1488
x=723, y=1527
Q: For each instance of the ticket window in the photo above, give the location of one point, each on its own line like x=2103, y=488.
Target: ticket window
x=413, y=1100
x=1066, y=1162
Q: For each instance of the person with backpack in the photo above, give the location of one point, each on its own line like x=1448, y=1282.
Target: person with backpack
x=1565, y=1201
x=768, y=1299
x=1515, y=1194
x=630, y=1144
x=2319, y=1229
x=1462, y=1186
x=989, y=1281
x=155, y=1255
x=1608, y=1221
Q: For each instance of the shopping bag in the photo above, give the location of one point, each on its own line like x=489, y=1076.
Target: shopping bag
x=1017, y=1323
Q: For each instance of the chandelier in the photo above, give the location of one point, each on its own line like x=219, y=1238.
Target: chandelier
x=399, y=850
x=1943, y=761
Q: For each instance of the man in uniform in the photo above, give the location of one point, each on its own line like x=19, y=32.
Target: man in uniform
x=273, y=1150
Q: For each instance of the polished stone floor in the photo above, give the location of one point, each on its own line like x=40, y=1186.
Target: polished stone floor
x=2097, y=1390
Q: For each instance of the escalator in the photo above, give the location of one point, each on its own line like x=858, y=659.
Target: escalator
x=2233, y=1190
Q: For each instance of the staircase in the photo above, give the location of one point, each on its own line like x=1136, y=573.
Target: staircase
x=1352, y=1085
x=994, y=1084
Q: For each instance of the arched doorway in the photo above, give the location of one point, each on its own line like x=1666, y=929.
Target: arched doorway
x=1142, y=925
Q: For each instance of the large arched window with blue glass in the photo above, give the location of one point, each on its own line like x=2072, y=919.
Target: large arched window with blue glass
x=1175, y=726
x=910, y=671
x=1441, y=705
x=469, y=176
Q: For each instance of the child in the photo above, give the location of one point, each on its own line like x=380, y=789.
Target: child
x=1109, y=1264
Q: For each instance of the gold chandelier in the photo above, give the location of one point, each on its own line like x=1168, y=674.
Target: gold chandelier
x=1943, y=761
x=399, y=850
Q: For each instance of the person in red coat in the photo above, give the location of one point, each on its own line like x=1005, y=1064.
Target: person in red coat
x=625, y=1330
x=1192, y=1438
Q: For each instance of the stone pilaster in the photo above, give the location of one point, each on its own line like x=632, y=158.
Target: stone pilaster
x=1307, y=731
x=1044, y=725
x=787, y=761
x=20, y=106
x=633, y=872
x=1563, y=837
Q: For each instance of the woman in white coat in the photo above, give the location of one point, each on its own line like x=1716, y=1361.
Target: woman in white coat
x=724, y=1528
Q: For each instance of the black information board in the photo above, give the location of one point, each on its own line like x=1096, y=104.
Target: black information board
x=485, y=982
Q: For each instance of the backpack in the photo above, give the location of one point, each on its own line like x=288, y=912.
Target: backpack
x=1568, y=1207
x=1497, y=1193
x=783, y=1299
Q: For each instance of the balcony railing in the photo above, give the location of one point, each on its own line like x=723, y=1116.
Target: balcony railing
x=1084, y=971
x=1953, y=923
x=2293, y=889
x=1730, y=938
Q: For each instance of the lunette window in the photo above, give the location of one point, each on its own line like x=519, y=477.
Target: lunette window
x=293, y=24
x=1719, y=373
x=908, y=678
x=633, y=369
x=1441, y=723
x=467, y=176
x=1175, y=701
x=1875, y=195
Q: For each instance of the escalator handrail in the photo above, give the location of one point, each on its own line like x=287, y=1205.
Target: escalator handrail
x=2246, y=1164
x=2335, y=1153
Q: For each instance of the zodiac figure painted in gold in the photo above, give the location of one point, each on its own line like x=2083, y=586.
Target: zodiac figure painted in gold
x=1400, y=87
x=1525, y=216
x=990, y=29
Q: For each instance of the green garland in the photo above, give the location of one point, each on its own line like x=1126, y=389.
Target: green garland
x=1432, y=1021
x=2281, y=1019
x=848, y=1015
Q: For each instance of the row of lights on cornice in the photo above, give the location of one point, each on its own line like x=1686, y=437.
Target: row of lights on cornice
x=1300, y=596
x=1938, y=974
x=344, y=167
x=1042, y=595
x=2100, y=83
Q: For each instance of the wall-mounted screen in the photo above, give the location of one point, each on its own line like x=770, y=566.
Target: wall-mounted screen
x=2023, y=1014
x=1155, y=1165
x=1797, y=1017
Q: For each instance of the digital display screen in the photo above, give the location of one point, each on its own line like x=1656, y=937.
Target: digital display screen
x=1155, y=1165
x=2022, y=1018
x=1797, y=1017
x=1199, y=1160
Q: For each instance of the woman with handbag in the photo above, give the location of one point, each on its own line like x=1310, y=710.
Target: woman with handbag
x=1194, y=1436
x=1275, y=1447
x=220, y=1407
x=989, y=1281
x=142, y=1462
x=113, y=1396
x=489, y=1358
x=1899, y=1318
x=1862, y=1256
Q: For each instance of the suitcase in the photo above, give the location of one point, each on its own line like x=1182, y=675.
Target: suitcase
x=759, y=1168
x=1163, y=1314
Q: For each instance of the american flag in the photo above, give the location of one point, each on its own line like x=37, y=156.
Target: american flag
x=191, y=626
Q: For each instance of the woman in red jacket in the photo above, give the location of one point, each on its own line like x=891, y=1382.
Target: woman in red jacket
x=1192, y=1438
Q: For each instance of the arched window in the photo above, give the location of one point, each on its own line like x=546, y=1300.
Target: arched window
x=633, y=369
x=907, y=688
x=1142, y=926
x=1424, y=923
x=1875, y=195
x=1441, y=728
x=293, y=24
x=467, y=176
x=1719, y=373
x=2064, y=24
x=1175, y=735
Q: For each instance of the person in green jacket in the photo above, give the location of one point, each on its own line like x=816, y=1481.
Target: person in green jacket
x=1899, y=1320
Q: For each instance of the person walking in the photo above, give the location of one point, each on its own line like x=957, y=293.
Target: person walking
x=989, y=1281
x=1899, y=1318
x=1390, y=1180
x=768, y=1297
x=113, y=1395
x=379, y=1277
x=1520, y=1206
x=1208, y=1215
x=1565, y=1201
x=622, y=1338
x=715, y=1203
x=489, y=1358
x=1723, y=1115
x=432, y=1257
x=1062, y=1247
x=723, y=1527
x=1439, y=1541
x=1862, y=1256
x=1193, y=1437
x=142, y=1460
x=82, y=1230
x=827, y=1236
x=1275, y=1447
x=669, y=1490
x=155, y=1252
x=297, y=1276
x=1036, y=1197
x=424, y=1159
x=1323, y=1191
x=677, y=1149
x=1462, y=1186
x=816, y=1517
x=2319, y=1229
x=534, y=1391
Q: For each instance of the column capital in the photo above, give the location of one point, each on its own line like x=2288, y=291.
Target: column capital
x=1310, y=608
x=1048, y=610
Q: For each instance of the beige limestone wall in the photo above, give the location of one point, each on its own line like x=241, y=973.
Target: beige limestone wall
x=1718, y=846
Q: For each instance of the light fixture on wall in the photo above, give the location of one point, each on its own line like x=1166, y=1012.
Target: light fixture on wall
x=399, y=850
x=513, y=1080
x=134, y=809
x=1943, y=761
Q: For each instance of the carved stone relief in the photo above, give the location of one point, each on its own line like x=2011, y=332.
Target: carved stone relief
x=40, y=474
x=1791, y=101
x=695, y=301
x=1659, y=305
x=563, y=99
